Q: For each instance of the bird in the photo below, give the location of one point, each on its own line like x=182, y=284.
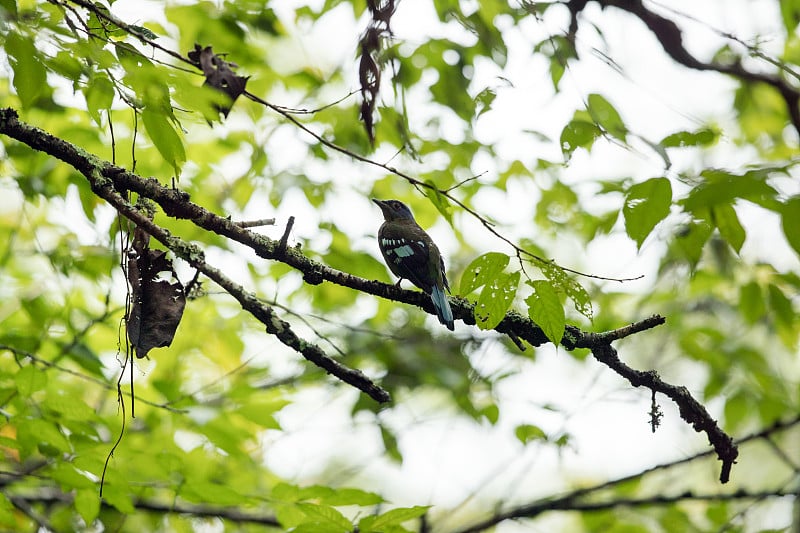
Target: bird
x=411, y=254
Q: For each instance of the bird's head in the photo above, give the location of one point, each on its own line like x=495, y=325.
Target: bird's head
x=394, y=210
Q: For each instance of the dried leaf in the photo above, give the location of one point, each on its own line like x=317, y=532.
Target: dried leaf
x=219, y=74
x=157, y=296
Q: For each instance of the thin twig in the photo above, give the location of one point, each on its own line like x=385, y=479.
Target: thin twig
x=285, y=238
x=256, y=223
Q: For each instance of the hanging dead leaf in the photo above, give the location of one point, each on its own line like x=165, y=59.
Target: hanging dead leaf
x=219, y=75
x=157, y=296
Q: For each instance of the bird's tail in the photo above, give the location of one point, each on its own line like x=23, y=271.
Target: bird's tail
x=442, y=306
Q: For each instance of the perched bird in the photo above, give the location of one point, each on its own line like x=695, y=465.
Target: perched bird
x=412, y=255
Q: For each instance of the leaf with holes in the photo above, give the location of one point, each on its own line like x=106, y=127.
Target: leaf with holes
x=482, y=270
x=545, y=309
x=560, y=280
x=495, y=299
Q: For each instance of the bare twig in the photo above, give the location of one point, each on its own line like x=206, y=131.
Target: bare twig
x=256, y=223
x=285, y=238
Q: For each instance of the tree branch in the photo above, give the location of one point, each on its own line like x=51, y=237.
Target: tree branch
x=692, y=411
x=231, y=514
x=288, y=115
x=568, y=504
x=109, y=181
x=575, y=499
x=671, y=38
x=98, y=172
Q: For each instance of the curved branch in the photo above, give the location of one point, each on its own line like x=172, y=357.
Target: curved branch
x=671, y=38
x=100, y=175
x=568, y=504
x=575, y=499
x=109, y=181
x=230, y=514
x=692, y=411
x=288, y=115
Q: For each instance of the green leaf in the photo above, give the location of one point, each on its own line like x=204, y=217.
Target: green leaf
x=165, y=138
x=316, y=527
x=727, y=222
x=395, y=517
x=738, y=407
x=30, y=76
x=144, y=32
x=29, y=380
x=558, y=48
x=10, y=6
x=783, y=314
x=780, y=305
x=440, y=201
x=721, y=187
x=527, y=433
x=751, y=302
x=288, y=515
x=326, y=495
x=790, y=221
x=576, y=134
x=484, y=101
x=495, y=299
x=646, y=204
x=690, y=240
x=328, y=515
x=701, y=137
x=285, y=492
x=545, y=309
x=348, y=496
x=99, y=97
x=390, y=444
x=7, y=512
x=208, y=491
x=790, y=13
x=560, y=280
x=87, y=503
x=482, y=270
x=82, y=354
x=261, y=411
x=42, y=434
x=607, y=116
x=491, y=412
x=119, y=496
x=69, y=478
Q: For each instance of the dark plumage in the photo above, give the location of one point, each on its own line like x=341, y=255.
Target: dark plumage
x=411, y=254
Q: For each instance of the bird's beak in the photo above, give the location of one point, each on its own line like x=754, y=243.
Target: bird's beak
x=381, y=204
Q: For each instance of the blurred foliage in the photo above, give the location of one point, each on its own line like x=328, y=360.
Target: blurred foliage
x=207, y=407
